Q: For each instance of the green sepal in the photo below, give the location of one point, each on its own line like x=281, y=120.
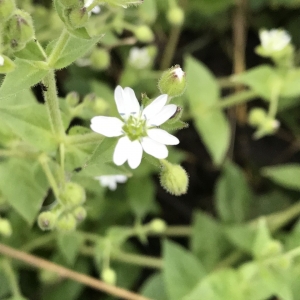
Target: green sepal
x=31, y=52
x=8, y=65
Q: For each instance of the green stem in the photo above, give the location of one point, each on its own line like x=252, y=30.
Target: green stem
x=227, y=82
x=43, y=159
x=62, y=162
x=170, y=48
x=12, y=278
x=59, y=47
x=235, y=99
x=38, y=242
x=274, y=102
x=52, y=104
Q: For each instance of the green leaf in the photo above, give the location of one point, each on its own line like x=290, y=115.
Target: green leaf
x=220, y=285
x=285, y=175
x=69, y=245
x=22, y=189
x=31, y=52
x=141, y=196
x=154, y=288
x=260, y=79
x=208, y=240
x=30, y=122
x=76, y=32
x=212, y=125
x=74, y=49
x=23, y=77
x=181, y=272
x=233, y=195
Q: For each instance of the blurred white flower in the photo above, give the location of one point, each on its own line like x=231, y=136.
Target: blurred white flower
x=138, y=130
x=274, y=40
x=139, y=58
x=1, y=60
x=111, y=181
x=95, y=10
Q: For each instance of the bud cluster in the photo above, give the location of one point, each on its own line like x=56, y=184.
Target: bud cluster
x=68, y=212
x=17, y=26
x=265, y=125
x=5, y=228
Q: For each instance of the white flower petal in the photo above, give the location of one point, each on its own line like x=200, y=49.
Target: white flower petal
x=132, y=102
x=135, y=154
x=120, y=101
x=163, y=137
x=1, y=60
x=112, y=185
x=155, y=107
x=154, y=148
x=108, y=126
x=121, y=151
x=120, y=178
x=165, y=114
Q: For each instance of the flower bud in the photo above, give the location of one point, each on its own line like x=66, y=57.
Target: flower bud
x=257, y=116
x=144, y=34
x=7, y=8
x=175, y=16
x=72, y=99
x=20, y=28
x=172, y=82
x=46, y=220
x=72, y=195
x=173, y=178
x=66, y=223
x=6, y=64
x=158, y=225
x=70, y=3
x=109, y=276
x=79, y=213
x=100, y=59
x=78, y=17
x=5, y=228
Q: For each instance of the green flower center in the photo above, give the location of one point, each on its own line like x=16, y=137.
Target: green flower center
x=135, y=128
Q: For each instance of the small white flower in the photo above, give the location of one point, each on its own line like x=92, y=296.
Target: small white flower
x=96, y=9
x=178, y=73
x=138, y=130
x=274, y=40
x=139, y=58
x=1, y=60
x=111, y=181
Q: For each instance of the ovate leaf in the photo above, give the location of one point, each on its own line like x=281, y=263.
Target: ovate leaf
x=154, y=288
x=181, y=272
x=22, y=189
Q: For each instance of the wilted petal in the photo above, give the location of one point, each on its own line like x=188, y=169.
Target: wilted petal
x=154, y=148
x=121, y=151
x=135, y=154
x=155, y=107
x=132, y=103
x=162, y=136
x=165, y=114
x=120, y=101
x=108, y=126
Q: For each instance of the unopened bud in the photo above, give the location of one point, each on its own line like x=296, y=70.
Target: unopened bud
x=175, y=16
x=158, y=226
x=144, y=34
x=73, y=194
x=20, y=28
x=7, y=8
x=100, y=59
x=257, y=116
x=79, y=213
x=173, y=178
x=6, y=64
x=5, y=228
x=66, y=223
x=46, y=220
x=78, y=17
x=109, y=276
x=72, y=99
x=70, y=3
x=172, y=82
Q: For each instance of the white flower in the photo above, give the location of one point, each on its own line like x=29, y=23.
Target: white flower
x=1, y=60
x=138, y=130
x=274, y=40
x=139, y=58
x=96, y=9
x=111, y=181
x=178, y=73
